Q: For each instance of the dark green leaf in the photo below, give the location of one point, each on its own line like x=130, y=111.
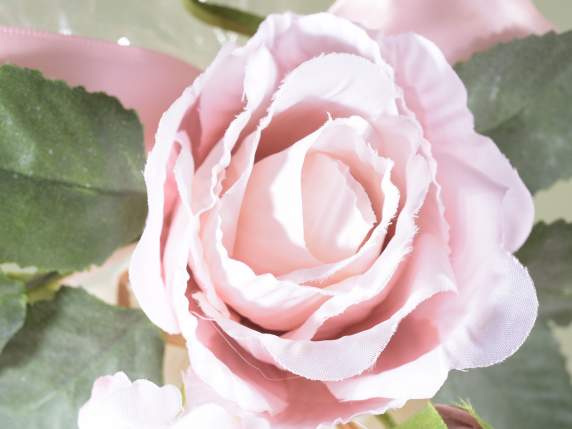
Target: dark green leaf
x=227, y=18
x=427, y=418
x=47, y=369
x=530, y=390
x=70, y=173
x=548, y=256
x=12, y=308
x=520, y=95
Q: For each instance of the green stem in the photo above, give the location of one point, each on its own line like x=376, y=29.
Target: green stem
x=224, y=17
x=43, y=287
x=387, y=421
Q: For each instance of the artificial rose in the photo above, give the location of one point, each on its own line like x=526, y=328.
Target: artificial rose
x=327, y=230
x=458, y=27
x=117, y=403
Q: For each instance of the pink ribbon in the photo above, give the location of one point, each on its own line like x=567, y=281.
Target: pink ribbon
x=143, y=80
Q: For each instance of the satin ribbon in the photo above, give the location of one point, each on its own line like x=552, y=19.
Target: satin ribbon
x=143, y=80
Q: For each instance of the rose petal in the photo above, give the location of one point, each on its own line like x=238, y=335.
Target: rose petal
x=198, y=193
x=331, y=360
x=413, y=366
x=301, y=395
x=349, y=141
x=271, y=303
x=117, y=403
x=295, y=39
x=438, y=98
x=145, y=271
x=219, y=365
x=279, y=304
x=372, y=285
x=493, y=321
x=487, y=324
x=270, y=232
x=337, y=210
x=458, y=27
x=348, y=80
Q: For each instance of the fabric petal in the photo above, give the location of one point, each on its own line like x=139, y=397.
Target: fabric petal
x=145, y=271
x=373, y=285
x=214, y=416
x=496, y=311
x=300, y=395
x=413, y=366
x=459, y=27
x=330, y=360
x=372, y=94
x=437, y=96
x=295, y=39
x=271, y=303
x=270, y=232
x=337, y=212
x=227, y=372
x=118, y=403
x=349, y=140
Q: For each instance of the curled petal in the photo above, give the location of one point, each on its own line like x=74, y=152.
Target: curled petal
x=437, y=96
x=492, y=322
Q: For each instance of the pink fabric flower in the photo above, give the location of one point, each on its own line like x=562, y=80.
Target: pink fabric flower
x=339, y=237
x=459, y=27
x=118, y=403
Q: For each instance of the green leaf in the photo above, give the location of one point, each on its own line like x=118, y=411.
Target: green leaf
x=427, y=418
x=70, y=173
x=48, y=368
x=386, y=420
x=530, y=390
x=548, y=256
x=520, y=95
x=224, y=17
x=12, y=308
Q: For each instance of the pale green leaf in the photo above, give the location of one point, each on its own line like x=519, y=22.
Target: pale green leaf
x=427, y=418
x=12, y=308
x=548, y=256
x=49, y=366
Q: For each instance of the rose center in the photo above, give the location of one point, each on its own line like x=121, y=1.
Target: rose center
x=302, y=208
x=337, y=211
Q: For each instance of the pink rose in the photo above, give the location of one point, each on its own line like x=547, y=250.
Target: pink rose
x=327, y=230
x=458, y=27
x=118, y=403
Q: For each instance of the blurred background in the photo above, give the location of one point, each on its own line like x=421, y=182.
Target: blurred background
x=165, y=26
